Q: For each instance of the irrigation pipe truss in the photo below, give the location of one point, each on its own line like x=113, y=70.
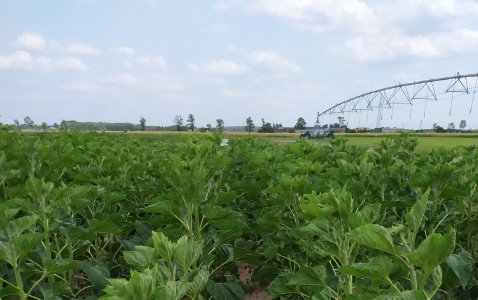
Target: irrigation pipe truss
x=423, y=90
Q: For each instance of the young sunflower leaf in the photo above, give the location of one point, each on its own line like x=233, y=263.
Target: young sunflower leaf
x=378, y=268
x=414, y=217
x=433, y=251
x=54, y=266
x=462, y=266
x=96, y=274
x=225, y=291
x=373, y=236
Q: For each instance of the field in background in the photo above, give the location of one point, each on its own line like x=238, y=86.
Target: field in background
x=427, y=140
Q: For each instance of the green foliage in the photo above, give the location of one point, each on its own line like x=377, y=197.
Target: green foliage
x=119, y=217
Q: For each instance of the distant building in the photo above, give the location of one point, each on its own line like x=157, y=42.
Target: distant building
x=362, y=129
x=392, y=130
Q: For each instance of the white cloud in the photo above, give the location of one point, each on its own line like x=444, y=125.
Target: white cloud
x=374, y=48
x=31, y=40
x=121, y=79
x=152, y=61
x=24, y=60
x=272, y=62
x=123, y=51
x=17, y=60
x=66, y=63
x=82, y=49
x=220, y=67
x=320, y=16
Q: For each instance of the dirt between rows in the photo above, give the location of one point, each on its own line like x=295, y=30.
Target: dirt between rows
x=255, y=291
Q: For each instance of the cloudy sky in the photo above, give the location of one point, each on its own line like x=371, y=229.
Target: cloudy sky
x=115, y=60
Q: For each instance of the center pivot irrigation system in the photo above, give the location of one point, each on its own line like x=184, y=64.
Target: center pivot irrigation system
x=407, y=94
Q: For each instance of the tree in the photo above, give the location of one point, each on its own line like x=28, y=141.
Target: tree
x=29, y=122
x=17, y=123
x=178, y=122
x=435, y=126
x=63, y=125
x=220, y=124
x=209, y=127
x=44, y=125
x=300, y=124
x=462, y=124
x=266, y=128
x=249, y=125
x=191, y=122
x=142, y=123
x=341, y=121
x=451, y=127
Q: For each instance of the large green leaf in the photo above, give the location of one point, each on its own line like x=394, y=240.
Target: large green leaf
x=280, y=285
x=198, y=283
x=378, y=268
x=173, y=290
x=27, y=241
x=6, y=214
x=414, y=217
x=53, y=266
x=187, y=253
x=225, y=291
x=142, y=285
x=368, y=215
x=373, y=236
x=96, y=274
x=432, y=283
x=313, y=278
x=462, y=266
x=21, y=224
x=433, y=251
x=100, y=226
x=162, y=246
x=406, y=295
x=142, y=256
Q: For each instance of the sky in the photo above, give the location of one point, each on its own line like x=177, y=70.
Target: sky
x=277, y=60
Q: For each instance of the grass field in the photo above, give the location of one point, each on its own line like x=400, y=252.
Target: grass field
x=427, y=140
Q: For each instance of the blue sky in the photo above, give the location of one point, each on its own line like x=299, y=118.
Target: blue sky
x=113, y=61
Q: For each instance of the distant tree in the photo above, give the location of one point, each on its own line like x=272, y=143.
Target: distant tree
x=203, y=129
x=291, y=130
x=341, y=121
x=451, y=127
x=300, y=124
x=142, y=123
x=178, y=122
x=29, y=122
x=17, y=123
x=266, y=128
x=209, y=127
x=44, y=125
x=249, y=125
x=56, y=125
x=191, y=122
x=220, y=125
x=439, y=129
x=63, y=125
x=462, y=124
x=325, y=126
x=435, y=126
